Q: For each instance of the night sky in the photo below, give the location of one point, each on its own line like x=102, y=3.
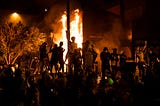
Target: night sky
x=35, y=6
x=26, y=6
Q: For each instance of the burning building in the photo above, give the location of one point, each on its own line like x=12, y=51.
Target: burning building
x=89, y=22
x=112, y=23
x=60, y=29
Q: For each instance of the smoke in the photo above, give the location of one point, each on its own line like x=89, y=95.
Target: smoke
x=110, y=35
x=54, y=13
x=53, y=19
x=111, y=38
x=46, y=3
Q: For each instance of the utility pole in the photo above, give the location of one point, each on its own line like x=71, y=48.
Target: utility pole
x=68, y=32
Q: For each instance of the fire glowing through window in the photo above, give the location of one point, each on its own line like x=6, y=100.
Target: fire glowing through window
x=75, y=29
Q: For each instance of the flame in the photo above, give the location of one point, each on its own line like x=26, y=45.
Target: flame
x=75, y=30
x=64, y=29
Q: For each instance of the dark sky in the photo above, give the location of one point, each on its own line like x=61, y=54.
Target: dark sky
x=35, y=6
x=26, y=6
x=25, y=3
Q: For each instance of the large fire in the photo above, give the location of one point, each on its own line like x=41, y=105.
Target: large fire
x=75, y=30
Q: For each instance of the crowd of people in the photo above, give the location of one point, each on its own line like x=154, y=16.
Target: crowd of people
x=81, y=84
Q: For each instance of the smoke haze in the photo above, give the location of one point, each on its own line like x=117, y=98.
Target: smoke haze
x=109, y=35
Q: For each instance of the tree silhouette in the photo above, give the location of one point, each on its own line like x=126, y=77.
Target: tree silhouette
x=17, y=39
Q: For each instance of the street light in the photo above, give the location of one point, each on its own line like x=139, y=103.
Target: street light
x=15, y=17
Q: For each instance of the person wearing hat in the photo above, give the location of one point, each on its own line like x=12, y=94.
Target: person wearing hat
x=105, y=61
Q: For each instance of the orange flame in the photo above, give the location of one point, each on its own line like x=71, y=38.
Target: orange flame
x=75, y=30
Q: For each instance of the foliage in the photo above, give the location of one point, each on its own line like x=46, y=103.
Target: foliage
x=16, y=39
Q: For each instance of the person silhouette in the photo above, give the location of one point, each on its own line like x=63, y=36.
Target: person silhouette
x=43, y=55
x=70, y=55
x=105, y=59
x=60, y=56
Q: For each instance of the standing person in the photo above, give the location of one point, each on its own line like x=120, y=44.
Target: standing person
x=70, y=55
x=140, y=57
x=77, y=61
x=123, y=59
x=105, y=59
x=34, y=65
x=89, y=57
x=151, y=57
x=94, y=54
x=114, y=61
x=54, y=58
x=60, y=56
x=43, y=54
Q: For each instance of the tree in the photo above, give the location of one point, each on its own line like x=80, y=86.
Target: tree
x=16, y=39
